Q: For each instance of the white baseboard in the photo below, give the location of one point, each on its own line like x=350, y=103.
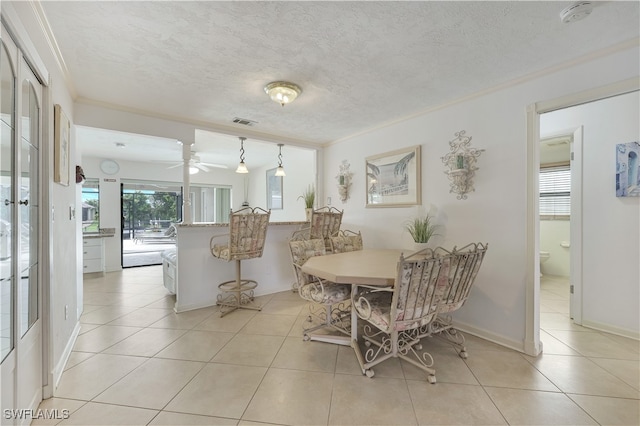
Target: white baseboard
x=193, y=306
x=490, y=336
x=59, y=368
x=631, y=334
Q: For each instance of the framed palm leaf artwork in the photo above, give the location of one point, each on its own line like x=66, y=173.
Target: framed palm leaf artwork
x=393, y=178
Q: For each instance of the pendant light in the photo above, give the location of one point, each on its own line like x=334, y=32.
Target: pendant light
x=242, y=168
x=280, y=169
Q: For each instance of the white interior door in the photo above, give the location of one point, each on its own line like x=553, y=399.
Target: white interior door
x=21, y=305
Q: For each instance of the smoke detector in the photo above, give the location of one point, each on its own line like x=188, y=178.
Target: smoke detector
x=577, y=11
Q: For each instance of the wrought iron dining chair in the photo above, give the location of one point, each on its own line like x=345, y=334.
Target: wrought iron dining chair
x=395, y=316
x=462, y=269
x=329, y=301
x=246, y=239
x=346, y=240
x=325, y=223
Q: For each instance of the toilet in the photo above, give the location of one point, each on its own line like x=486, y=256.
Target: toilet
x=544, y=256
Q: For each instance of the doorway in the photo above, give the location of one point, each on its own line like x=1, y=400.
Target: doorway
x=609, y=114
x=557, y=183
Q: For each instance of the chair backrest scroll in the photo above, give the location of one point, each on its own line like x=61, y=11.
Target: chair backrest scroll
x=248, y=232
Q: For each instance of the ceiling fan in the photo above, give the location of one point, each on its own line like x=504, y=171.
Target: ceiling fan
x=195, y=164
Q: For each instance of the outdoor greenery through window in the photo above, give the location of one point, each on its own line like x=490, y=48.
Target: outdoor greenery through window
x=150, y=207
x=555, y=192
x=91, y=206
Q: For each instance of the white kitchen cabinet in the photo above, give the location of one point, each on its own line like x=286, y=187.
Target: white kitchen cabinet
x=92, y=255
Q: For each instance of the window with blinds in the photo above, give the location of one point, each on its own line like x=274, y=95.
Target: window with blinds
x=555, y=192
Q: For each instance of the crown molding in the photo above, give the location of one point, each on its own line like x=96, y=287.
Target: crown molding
x=20, y=35
x=50, y=38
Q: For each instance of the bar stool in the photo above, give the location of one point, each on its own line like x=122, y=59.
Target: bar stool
x=247, y=235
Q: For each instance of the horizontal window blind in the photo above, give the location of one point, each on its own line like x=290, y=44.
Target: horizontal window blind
x=555, y=191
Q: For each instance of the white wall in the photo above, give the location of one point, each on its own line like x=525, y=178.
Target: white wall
x=552, y=234
x=611, y=225
x=496, y=212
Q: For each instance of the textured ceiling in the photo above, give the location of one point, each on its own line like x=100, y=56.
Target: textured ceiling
x=360, y=64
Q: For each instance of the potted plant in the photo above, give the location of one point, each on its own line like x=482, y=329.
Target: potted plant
x=309, y=197
x=422, y=229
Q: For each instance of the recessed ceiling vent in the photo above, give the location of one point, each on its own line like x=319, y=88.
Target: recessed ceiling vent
x=577, y=11
x=244, y=121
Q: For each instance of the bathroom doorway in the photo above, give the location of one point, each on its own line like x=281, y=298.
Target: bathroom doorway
x=600, y=119
x=555, y=189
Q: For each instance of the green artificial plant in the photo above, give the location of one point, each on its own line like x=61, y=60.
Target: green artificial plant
x=309, y=197
x=422, y=229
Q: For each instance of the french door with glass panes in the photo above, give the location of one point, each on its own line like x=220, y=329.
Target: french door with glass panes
x=20, y=289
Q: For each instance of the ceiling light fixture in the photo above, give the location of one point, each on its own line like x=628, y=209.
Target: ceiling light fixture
x=193, y=170
x=282, y=92
x=577, y=11
x=242, y=168
x=280, y=169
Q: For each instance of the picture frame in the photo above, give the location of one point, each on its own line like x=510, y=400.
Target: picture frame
x=628, y=169
x=61, y=142
x=394, y=178
x=274, y=190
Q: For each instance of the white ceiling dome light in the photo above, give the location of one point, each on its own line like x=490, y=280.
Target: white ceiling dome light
x=282, y=92
x=577, y=11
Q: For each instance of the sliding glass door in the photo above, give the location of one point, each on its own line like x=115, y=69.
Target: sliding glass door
x=148, y=211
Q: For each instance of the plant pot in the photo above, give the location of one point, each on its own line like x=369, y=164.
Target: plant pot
x=308, y=213
x=420, y=246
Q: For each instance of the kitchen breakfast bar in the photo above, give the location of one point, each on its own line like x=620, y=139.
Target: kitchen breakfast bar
x=198, y=273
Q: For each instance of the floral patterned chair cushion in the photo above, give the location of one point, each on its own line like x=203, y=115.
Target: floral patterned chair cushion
x=325, y=223
x=301, y=251
x=346, y=241
x=327, y=294
x=247, y=236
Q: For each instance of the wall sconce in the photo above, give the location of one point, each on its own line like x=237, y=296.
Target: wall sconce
x=344, y=181
x=461, y=162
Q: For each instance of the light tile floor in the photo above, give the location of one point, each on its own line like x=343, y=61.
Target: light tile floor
x=138, y=363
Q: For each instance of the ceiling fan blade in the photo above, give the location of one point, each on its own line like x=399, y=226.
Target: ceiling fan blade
x=174, y=166
x=200, y=166
x=215, y=166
